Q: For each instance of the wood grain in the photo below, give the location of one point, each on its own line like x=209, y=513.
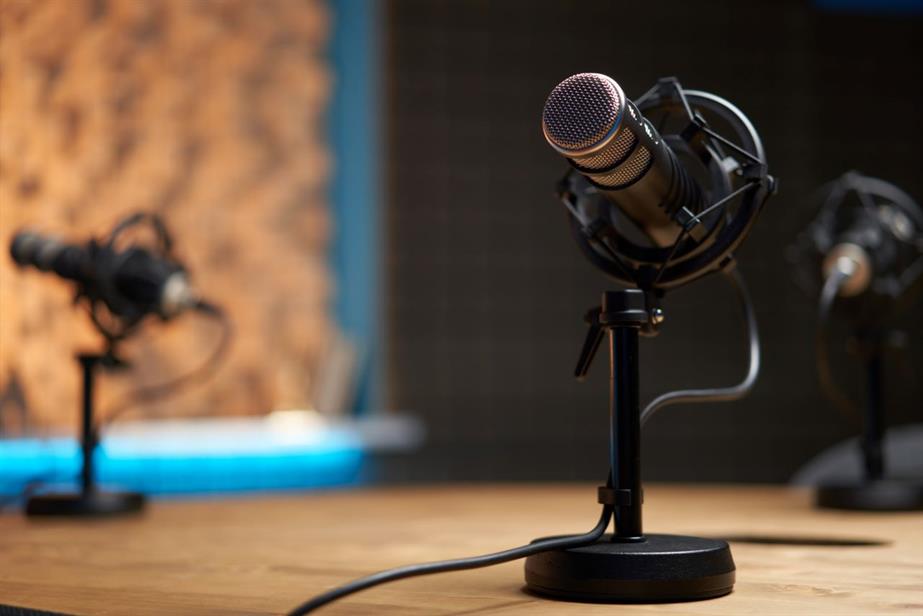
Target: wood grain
x=264, y=556
x=210, y=113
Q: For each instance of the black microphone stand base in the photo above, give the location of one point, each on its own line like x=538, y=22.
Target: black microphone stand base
x=658, y=569
x=872, y=495
x=91, y=504
x=90, y=501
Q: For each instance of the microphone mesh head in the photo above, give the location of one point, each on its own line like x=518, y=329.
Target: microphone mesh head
x=628, y=172
x=581, y=111
x=615, y=151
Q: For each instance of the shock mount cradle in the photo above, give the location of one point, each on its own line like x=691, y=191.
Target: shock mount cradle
x=90, y=501
x=628, y=566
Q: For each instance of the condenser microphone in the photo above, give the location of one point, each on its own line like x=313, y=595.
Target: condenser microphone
x=132, y=282
x=588, y=120
x=867, y=238
x=121, y=282
x=862, y=257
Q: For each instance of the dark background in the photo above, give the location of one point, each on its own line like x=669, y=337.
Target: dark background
x=485, y=288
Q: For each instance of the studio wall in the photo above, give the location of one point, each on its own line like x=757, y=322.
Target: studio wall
x=210, y=114
x=487, y=289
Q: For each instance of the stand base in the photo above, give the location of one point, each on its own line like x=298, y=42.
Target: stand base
x=659, y=569
x=91, y=504
x=874, y=495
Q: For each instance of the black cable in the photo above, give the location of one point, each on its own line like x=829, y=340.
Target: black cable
x=828, y=295
x=460, y=564
x=720, y=394
x=150, y=393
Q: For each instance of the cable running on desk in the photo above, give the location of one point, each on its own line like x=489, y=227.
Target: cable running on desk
x=474, y=562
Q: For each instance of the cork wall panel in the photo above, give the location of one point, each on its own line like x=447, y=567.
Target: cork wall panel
x=207, y=112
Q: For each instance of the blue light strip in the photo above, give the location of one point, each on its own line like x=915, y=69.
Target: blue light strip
x=172, y=466
x=355, y=195
x=872, y=7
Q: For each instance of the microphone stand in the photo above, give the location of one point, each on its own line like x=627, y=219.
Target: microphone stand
x=627, y=565
x=90, y=501
x=875, y=491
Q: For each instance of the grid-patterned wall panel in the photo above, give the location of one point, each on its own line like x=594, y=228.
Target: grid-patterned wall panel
x=209, y=113
x=486, y=288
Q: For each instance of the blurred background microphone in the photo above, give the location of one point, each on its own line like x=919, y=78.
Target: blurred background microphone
x=122, y=284
x=864, y=250
x=132, y=282
x=863, y=257
x=588, y=120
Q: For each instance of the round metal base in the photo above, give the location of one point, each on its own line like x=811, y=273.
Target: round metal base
x=661, y=568
x=91, y=504
x=875, y=495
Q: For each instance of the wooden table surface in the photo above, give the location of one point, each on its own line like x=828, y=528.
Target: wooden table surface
x=266, y=555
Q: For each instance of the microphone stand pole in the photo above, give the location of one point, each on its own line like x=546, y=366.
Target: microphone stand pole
x=623, y=322
x=875, y=491
x=873, y=435
x=627, y=565
x=90, y=501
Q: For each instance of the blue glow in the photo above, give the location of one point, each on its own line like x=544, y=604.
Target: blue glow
x=179, y=468
x=872, y=7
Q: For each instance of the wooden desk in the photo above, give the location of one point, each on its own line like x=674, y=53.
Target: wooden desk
x=266, y=555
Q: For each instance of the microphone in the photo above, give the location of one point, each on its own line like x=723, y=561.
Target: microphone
x=867, y=242
x=121, y=284
x=864, y=251
x=131, y=282
x=622, y=168
x=656, y=208
x=870, y=249
x=588, y=120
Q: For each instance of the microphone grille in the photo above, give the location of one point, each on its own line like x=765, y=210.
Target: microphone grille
x=627, y=172
x=614, y=152
x=581, y=111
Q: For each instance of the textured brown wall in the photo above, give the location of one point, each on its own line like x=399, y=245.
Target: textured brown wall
x=208, y=112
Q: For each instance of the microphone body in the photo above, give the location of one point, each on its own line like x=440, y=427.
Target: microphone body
x=132, y=282
x=588, y=120
x=851, y=262
x=867, y=248
x=864, y=249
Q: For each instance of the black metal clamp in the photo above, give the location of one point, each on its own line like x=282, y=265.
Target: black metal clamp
x=628, y=307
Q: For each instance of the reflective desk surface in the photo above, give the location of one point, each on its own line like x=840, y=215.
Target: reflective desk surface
x=265, y=555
